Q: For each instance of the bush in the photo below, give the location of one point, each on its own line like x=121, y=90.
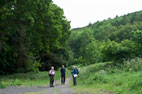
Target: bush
x=133, y=65
x=113, y=51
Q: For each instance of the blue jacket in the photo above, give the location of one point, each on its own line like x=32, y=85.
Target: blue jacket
x=74, y=71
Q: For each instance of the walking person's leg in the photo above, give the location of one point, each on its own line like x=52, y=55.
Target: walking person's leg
x=50, y=81
x=53, y=82
x=64, y=79
x=75, y=81
x=61, y=79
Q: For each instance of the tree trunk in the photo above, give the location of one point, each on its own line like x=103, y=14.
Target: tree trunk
x=21, y=49
x=1, y=39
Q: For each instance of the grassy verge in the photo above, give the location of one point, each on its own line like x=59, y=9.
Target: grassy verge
x=102, y=79
x=26, y=79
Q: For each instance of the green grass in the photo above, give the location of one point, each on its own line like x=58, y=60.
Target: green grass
x=26, y=79
x=102, y=79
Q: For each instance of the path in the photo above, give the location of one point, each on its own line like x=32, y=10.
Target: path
x=61, y=89
x=58, y=89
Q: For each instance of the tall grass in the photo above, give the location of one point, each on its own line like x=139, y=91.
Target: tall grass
x=104, y=78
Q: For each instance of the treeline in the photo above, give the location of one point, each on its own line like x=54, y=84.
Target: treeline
x=115, y=40
x=33, y=35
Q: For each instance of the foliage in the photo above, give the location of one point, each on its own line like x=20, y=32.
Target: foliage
x=138, y=36
x=92, y=53
x=26, y=79
x=30, y=32
x=115, y=39
x=133, y=65
x=113, y=51
x=106, y=78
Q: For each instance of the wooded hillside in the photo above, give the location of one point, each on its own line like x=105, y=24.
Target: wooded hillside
x=115, y=39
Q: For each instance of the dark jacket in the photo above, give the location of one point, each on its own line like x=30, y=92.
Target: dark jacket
x=63, y=71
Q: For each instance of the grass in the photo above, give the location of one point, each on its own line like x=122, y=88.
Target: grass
x=100, y=78
x=26, y=79
x=103, y=79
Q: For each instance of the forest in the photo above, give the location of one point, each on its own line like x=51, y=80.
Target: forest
x=36, y=37
x=33, y=36
x=115, y=40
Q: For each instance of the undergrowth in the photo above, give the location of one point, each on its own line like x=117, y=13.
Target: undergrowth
x=105, y=78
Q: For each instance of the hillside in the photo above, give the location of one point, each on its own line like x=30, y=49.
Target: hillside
x=109, y=40
x=109, y=53
x=102, y=78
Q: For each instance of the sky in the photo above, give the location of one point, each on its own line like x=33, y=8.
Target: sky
x=83, y=12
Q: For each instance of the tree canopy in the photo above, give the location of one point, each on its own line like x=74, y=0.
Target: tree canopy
x=115, y=39
x=33, y=34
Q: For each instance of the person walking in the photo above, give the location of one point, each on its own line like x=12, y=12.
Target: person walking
x=63, y=74
x=74, y=74
x=51, y=75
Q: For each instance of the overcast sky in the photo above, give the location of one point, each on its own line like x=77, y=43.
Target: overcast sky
x=81, y=12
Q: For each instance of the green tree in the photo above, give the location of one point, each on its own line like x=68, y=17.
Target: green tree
x=92, y=53
x=31, y=32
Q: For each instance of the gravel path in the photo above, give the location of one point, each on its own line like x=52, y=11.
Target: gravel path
x=58, y=89
x=61, y=89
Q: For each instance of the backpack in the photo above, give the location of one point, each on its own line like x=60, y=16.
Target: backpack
x=77, y=72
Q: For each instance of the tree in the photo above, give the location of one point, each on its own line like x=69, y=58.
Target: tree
x=31, y=32
x=92, y=53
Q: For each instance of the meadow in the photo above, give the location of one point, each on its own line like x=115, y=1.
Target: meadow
x=105, y=78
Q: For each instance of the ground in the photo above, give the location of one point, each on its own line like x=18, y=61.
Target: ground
x=58, y=89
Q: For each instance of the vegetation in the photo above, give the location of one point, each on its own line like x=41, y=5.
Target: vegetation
x=27, y=79
x=115, y=39
x=110, y=53
x=33, y=34
x=102, y=78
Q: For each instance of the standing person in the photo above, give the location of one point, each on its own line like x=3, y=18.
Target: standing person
x=63, y=74
x=51, y=75
x=74, y=74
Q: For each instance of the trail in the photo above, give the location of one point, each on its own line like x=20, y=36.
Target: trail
x=61, y=89
x=58, y=89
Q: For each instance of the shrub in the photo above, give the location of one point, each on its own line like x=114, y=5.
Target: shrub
x=133, y=65
x=117, y=52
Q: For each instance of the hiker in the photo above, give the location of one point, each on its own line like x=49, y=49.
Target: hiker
x=63, y=74
x=74, y=74
x=51, y=75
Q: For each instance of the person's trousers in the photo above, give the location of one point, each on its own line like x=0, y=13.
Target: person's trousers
x=63, y=78
x=74, y=81
x=51, y=80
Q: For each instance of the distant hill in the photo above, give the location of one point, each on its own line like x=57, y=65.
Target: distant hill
x=96, y=37
x=116, y=29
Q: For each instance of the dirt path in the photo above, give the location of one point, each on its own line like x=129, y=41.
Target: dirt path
x=58, y=89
